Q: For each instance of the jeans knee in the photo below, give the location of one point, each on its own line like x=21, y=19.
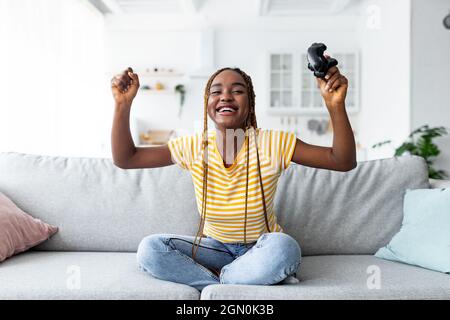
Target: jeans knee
x=285, y=247
x=281, y=257
x=148, y=249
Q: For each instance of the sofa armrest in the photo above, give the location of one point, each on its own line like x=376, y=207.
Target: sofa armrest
x=439, y=183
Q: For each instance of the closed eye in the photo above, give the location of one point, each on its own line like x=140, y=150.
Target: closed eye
x=237, y=91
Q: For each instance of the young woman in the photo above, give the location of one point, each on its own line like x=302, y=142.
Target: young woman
x=235, y=169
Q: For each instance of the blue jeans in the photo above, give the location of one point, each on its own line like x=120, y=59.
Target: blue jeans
x=269, y=260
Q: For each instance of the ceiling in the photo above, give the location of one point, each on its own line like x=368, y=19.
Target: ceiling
x=259, y=7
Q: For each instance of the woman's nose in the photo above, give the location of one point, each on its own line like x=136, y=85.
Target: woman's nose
x=226, y=96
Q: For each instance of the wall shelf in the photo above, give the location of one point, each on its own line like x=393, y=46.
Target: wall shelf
x=160, y=74
x=158, y=92
x=145, y=74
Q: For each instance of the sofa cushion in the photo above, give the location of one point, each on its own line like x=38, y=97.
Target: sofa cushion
x=344, y=277
x=19, y=231
x=84, y=275
x=424, y=238
x=96, y=205
x=354, y=212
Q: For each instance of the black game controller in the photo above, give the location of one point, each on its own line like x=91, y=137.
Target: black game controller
x=317, y=62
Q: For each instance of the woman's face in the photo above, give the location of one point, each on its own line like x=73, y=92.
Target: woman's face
x=228, y=100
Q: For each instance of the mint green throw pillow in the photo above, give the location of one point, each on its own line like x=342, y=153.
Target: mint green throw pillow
x=424, y=238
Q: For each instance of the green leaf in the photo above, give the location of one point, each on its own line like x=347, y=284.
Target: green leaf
x=406, y=147
x=427, y=148
x=381, y=143
x=439, y=174
x=418, y=130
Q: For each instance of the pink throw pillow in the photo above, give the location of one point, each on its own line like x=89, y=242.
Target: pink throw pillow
x=18, y=230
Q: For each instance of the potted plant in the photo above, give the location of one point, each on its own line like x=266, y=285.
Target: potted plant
x=182, y=91
x=422, y=146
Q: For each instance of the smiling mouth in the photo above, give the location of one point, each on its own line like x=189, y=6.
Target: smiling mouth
x=228, y=110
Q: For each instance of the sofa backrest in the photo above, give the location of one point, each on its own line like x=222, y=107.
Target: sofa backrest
x=96, y=205
x=354, y=212
x=99, y=207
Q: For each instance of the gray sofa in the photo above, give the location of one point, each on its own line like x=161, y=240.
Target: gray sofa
x=340, y=219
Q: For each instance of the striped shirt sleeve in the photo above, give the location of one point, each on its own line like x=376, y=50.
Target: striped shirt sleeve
x=183, y=150
x=290, y=141
x=282, y=148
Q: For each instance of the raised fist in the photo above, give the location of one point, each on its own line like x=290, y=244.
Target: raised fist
x=125, y=86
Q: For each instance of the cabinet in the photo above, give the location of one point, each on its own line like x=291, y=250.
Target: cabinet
x=281, y=80
x=292, y=87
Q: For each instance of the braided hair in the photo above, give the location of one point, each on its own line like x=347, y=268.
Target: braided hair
x=250, y=123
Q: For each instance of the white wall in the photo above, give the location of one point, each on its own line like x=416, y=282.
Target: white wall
x=141, y=49
x=430, y=72
x=384, y=35
x=52, y=88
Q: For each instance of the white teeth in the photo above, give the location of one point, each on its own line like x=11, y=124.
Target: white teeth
x=226, y=109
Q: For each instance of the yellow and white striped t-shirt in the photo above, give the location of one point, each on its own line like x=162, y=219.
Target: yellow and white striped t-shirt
x=225, y=205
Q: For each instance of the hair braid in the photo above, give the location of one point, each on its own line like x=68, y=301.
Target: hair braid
x=249, y=123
